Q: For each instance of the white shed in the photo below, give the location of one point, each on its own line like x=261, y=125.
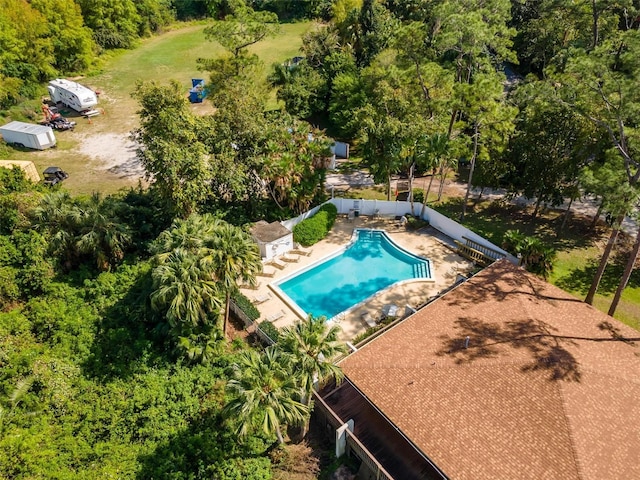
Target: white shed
x=28, y=135
x=273, y=239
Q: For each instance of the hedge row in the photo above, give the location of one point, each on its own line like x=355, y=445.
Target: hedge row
x=314, y=229
x=246, y=306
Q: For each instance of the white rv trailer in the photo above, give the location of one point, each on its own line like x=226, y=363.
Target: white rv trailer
x=72, y=94
x=28, y=135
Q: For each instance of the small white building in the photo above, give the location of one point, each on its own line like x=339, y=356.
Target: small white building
x=29, y=135
x=274, y=239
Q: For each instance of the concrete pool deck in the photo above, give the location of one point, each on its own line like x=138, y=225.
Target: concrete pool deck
x=427, y=243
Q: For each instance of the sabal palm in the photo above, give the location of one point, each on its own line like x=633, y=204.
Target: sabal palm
x=184, y=286
x=59, y=215
x=313, y=346
x=190, y=234
x=263, y=393
x=101, y=234
x=234, y=258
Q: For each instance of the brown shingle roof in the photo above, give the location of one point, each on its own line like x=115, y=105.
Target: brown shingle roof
x=268, y=232
x=545, y=389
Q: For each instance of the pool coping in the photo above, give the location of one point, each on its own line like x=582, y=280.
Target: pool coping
x=293, y=306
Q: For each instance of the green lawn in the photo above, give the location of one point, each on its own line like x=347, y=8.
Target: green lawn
x=170, y=56
x=578, y=251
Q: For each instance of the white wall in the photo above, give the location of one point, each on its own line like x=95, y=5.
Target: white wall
x=277, y=247
x=438, y=221
x=385, y=208
x=292, y=222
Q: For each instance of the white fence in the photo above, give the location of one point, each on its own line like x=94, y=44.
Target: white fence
x=384, y=208
x=292, y=222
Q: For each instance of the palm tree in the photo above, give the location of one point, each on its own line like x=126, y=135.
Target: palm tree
x=185, y=288
x=432, y=156
x=313, y=347
x=9, y=414
x=234, y=259
x=101, y=234
x=60, y=217
x=190, y=234
x=263, y=392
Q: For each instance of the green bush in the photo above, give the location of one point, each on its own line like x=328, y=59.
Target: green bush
x=270, y=330
x=418, y=195
x=533, y=254
x=243, y=469
x=314, y=229
x=246, y=306
x=9, y=291
x=415, y=223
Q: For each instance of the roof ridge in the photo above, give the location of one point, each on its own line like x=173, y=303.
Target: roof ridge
x=572, y=440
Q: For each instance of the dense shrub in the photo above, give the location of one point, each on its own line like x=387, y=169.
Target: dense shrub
x=533, y=254
x=314, y=229
x=9, y=291
x=13, y=180
x=246, y=306
x=418, y=195
x=270, y=330
x=415, y=223
x=243, y=469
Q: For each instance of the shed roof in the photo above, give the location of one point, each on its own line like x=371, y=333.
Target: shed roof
x=27, y=166
x=25, y=128
x=547, y=386
x=269, y=232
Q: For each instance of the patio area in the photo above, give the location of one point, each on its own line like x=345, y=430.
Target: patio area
x=427, y=243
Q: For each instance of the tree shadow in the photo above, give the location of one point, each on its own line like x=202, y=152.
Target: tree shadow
x=126, y=341
x=498, y=284
x=482, y=220
x=579, y=279
x=476, y=339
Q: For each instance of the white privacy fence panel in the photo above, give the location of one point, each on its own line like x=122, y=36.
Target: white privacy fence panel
x=438, y=221
x=292, y=222
x=384, y=208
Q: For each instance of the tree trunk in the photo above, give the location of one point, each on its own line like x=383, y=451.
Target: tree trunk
x=226, y=314
x=625, y=276
x=479, y=197
x=535, y=210
x=388, y=188
x=595, y=31
x=473, y=166
x=279, y=435
x=594, y=222
x=411, y=188
x=603, y=261
x=305, y=425
x=443, y=175
x=566, y=217
x=426, y=195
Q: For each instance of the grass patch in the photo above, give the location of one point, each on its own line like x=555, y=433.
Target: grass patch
x=171, y=55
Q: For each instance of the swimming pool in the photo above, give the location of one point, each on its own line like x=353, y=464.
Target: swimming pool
x=369, y=264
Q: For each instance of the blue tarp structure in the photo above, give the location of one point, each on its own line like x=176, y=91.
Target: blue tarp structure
x=198, y=91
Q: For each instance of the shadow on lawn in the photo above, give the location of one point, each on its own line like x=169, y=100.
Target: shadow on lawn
x=492, y=219
x=579, y=279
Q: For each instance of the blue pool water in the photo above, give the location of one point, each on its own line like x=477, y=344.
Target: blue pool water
x=367, y=266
